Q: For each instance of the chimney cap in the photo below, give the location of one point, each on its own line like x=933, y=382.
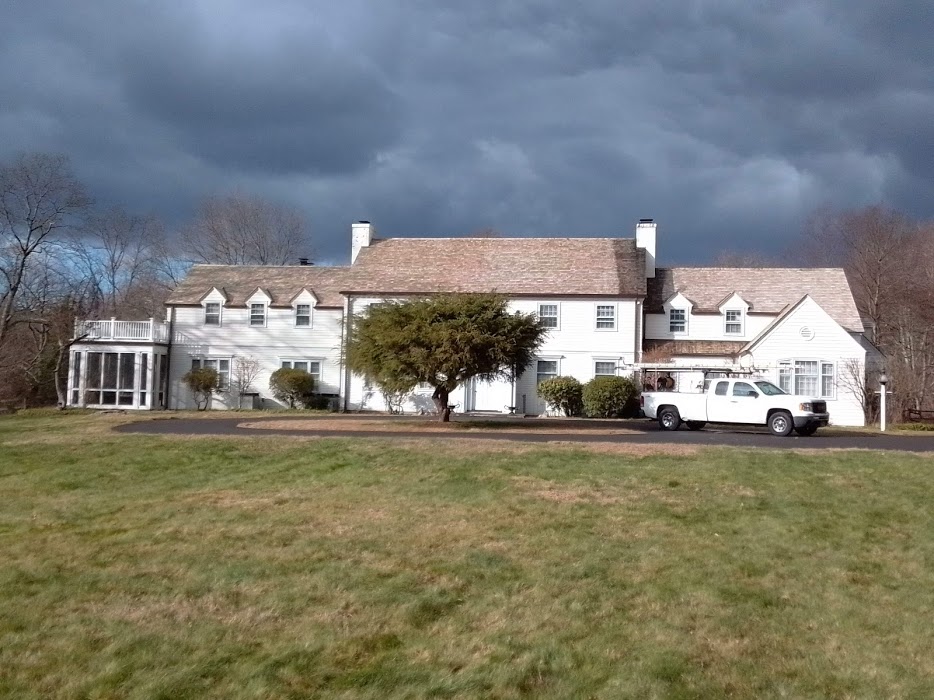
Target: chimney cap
x=646, y=221
x=363, y=222
x=303, y=261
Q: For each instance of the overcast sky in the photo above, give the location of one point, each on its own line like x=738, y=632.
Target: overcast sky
x=727, y=121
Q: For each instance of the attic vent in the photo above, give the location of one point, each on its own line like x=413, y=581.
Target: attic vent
x=807, y=332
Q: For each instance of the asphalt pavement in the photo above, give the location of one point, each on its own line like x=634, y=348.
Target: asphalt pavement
x=647, y=433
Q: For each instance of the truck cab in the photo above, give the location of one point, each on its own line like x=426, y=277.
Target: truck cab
x=743, y=401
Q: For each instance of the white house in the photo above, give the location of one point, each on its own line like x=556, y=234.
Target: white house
x=797, y=326
x=604, y=302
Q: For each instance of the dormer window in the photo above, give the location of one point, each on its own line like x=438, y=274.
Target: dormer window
x=212, y=313
x=303, y=305
x=677, y=321
x=303, y=315
x=733, y=322
x=257, y=314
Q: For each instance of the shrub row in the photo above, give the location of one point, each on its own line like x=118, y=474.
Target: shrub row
x=601, y=397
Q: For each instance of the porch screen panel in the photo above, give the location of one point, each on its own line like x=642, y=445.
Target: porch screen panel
x=143, y=373
x=126, y=378
x=109, y=381
x=93, y=378
x=75, y=377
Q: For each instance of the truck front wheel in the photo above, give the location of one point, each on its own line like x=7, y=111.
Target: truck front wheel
x=781, y=423
x=669, y=418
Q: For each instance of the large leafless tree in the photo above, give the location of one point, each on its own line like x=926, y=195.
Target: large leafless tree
x=889, y=262
x=40, y=200
x=240, y=229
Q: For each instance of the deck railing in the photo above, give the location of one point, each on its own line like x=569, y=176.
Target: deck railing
x=112, y=329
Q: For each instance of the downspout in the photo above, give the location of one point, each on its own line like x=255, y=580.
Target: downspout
x=168, y=360
x=345, y=380
x=640, y=341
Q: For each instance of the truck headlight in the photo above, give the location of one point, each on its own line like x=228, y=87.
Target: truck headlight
x=808, y=406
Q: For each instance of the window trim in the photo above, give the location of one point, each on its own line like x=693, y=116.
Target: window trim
x=682, y=310
x=201, y=359
x=220, y=313
x=788, y=365
x=556, y=317
x=607, y=360
x=265, y=308
x=598, y=318
x=546, y=358
x=295, y=315
x=727, y=323
x=293, y=359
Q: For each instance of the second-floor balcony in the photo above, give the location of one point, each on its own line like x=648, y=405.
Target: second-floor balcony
x=111, y=329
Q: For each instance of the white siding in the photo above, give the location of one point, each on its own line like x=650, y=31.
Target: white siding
x=830, y=343
x=576, y=344
x=279, y=339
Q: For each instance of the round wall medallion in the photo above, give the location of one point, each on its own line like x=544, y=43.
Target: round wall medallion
x=807, y=332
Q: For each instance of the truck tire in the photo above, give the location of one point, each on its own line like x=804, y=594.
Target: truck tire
x=806, y=431
x=696, y=424
x=781, y=423
x=669, y=418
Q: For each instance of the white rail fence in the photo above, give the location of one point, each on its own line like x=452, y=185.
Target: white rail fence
x=112, y=329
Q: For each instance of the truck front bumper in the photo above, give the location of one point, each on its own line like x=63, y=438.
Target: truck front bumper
x=818, y=419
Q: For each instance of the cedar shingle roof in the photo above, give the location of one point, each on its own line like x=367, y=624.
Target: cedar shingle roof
x=239, y=282
x=512, y=266
x=693, y=347
x=765, y=289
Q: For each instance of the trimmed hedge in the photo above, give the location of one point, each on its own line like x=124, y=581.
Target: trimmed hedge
x=609, y=397
x=563, y=394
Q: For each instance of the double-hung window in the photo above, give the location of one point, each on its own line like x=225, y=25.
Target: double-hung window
x=604, y=368
x=606, y=317
x=733, y=322
x=677, y=321
x=303, y=315
x=212, y=313
x=257, y=314
x=807, y=378
x=546, y=369
x=548, y=315
x=313, y=367
x=221, y=365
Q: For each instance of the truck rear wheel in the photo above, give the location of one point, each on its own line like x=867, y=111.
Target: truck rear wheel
x=669, y=418
x=696, y=424
x=781, y=424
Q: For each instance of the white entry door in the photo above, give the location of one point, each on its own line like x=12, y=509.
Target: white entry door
x=493, y=396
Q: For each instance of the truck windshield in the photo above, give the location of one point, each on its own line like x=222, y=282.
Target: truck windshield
x=769, y=389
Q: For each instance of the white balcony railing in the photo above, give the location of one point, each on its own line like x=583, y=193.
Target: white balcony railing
x=152, y=331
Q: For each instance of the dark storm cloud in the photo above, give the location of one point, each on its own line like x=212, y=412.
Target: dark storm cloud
x=728, y=121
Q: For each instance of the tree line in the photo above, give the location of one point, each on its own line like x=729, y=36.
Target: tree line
x=63, y=258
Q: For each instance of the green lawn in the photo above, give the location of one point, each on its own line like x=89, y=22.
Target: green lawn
x=149, y=567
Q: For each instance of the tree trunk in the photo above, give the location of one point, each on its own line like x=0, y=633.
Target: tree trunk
x=440, y=397
x=61, y=390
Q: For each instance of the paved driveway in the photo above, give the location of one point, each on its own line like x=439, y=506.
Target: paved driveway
x=648, y=433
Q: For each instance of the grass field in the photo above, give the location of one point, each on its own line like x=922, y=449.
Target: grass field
x=278, y=567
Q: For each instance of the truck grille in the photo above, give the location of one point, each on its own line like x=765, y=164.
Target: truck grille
x=820, y=406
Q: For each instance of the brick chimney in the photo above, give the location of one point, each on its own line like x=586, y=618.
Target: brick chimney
x=645, y=239
x=361, y=235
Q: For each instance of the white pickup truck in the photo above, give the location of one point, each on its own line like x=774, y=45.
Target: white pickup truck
x=739, y=401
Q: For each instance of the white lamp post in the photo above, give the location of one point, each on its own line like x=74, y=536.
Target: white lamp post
x=883, y=380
